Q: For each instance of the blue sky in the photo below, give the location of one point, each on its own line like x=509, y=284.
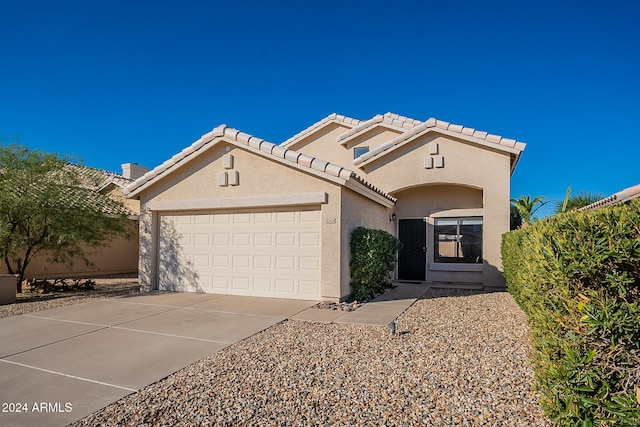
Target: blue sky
x=136, y=81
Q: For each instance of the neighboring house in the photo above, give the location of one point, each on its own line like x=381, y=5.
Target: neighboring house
x=121, y=255
x=620, y=197
x=234, y=214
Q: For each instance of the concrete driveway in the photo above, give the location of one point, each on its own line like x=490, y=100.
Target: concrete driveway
x=59, y=365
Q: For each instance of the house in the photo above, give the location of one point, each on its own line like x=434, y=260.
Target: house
x=622, y=196
x=235, y=214
x=121, y=255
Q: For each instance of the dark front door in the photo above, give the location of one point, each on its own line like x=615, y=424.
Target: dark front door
x=412, y=258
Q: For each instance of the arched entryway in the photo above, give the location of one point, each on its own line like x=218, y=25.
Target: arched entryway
x=441, y=230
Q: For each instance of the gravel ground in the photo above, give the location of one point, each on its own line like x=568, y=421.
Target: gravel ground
x=459, y=358
x=29, y=302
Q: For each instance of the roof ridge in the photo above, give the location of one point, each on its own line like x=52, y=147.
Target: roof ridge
x=389, y=118
x=433, y=123
x=331, y=117
x=265, y=147
x=91, y=175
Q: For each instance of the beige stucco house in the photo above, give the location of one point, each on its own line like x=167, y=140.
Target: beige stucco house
x=120, y=255
x=235, y=214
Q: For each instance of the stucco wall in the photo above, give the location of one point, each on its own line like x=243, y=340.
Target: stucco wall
x=322, y=143
x=258, y=177
x=465, y=165
x=114, y=192
x=358, y=211
x=121, y=256
x=418, y=202
x=325, y=145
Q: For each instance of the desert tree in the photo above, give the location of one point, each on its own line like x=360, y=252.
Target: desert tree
x=47, y=210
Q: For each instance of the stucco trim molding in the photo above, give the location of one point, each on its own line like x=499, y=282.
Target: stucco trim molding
x=450, y=213
x=443, y=266
x=241, y=202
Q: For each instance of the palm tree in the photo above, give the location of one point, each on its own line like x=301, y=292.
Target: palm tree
x=527, y=206
x=581, y=199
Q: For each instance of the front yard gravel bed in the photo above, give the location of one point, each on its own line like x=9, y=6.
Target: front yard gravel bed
x=459, y=358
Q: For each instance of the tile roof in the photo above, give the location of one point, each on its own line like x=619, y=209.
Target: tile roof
x=331, y=118
x=391, y=119
x=440, y=125
x=619, y=197
x=80, y=187
x=265, y=148
x=92, y=182
x=98, y=179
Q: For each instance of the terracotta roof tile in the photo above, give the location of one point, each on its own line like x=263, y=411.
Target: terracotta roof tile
x=91, y=182
x=255, y=142
x=279, y=151
x=291, y=155
x=333, y=169
x=318, y=164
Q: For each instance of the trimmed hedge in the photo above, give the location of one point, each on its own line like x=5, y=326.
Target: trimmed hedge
x=374, y=253
x=576, y=276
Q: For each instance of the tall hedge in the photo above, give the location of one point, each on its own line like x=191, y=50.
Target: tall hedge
x=576, y=276
x=374, y=254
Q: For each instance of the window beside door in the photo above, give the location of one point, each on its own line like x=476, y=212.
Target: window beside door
x=458, y=240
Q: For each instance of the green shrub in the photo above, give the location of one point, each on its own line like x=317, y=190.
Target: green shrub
x=373, y=256
x=576, y=276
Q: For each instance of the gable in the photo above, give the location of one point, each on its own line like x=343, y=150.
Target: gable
x=436, y=158
x=469, y=135
x=209, y=163
x=319, y=129
x=389, y=121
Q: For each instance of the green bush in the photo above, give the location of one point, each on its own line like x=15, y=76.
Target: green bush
x=373, y=256
x=576, y=276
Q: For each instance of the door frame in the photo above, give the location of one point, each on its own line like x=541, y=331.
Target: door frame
x=426, y=239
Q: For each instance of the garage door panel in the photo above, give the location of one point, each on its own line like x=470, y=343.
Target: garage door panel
x=241, y=218
x=285, y=239
x=264, y=286
x=221, y=239
x=262, y=261
x=241, y=283
x=202, y=239
x=241, y=261
x=262, y=239
x=285, y=263
x=309, y=239
x=263, y=253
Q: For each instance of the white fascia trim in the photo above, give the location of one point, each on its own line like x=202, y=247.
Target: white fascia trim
x=456, y=135
x=369, y=194
x=301, y=199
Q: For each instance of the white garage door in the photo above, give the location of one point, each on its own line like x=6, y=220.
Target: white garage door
x=273, y=254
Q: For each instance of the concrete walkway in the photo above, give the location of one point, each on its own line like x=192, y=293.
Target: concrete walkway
x=380, y=311
x=59, y=365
